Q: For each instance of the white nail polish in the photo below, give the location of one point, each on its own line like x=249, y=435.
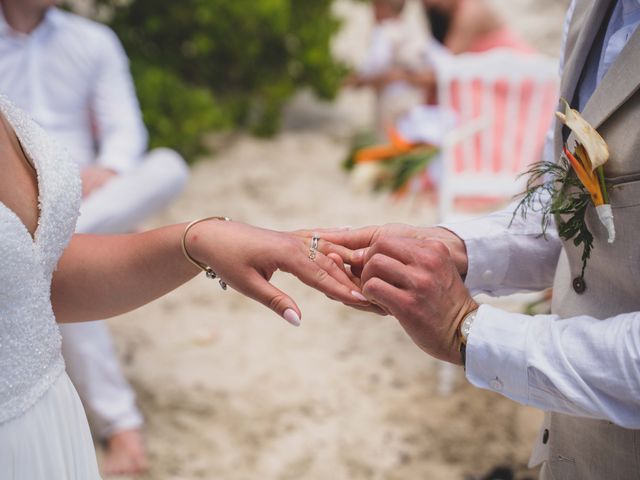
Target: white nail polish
x=359, y=296
x=292, y=317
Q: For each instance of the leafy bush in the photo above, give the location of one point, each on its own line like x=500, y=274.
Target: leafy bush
x=175, y=114
x=240, y=59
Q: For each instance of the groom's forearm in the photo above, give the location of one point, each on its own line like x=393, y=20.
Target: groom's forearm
x=103, y=276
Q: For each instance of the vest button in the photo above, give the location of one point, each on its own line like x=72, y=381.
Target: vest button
x=579, y=285
x=545, y=436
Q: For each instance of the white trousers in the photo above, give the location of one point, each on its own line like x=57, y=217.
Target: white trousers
x=88, y=350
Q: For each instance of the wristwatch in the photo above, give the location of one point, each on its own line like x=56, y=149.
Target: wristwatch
x=463, y=331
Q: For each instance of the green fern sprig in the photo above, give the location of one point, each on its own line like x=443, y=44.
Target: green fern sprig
x=565, y=198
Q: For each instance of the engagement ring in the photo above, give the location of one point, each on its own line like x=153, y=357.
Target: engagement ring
x=313, y=249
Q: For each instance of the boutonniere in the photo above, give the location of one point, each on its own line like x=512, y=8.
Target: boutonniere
x=565, y=189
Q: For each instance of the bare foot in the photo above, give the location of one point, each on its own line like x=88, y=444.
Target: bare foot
x=125, y=454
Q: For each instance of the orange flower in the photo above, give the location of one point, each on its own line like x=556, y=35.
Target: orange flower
x=376, y=153
x=581, y=165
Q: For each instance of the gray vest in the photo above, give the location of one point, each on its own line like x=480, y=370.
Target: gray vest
x=573, y=447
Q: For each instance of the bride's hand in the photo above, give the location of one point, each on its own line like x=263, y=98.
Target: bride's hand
x=342, y=256
x=246, y=257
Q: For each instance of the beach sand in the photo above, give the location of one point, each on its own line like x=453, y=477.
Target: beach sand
x=230, y=391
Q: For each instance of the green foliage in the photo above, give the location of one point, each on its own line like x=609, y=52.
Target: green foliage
x=246, y=56
x=554, y=190
x=175, y=114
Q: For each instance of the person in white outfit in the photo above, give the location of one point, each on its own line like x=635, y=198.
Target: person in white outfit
x=72, y=75
x=392, y=46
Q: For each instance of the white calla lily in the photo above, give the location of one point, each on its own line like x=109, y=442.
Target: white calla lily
x=593, y=143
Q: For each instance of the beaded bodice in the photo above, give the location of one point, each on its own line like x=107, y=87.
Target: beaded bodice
x=30, y=348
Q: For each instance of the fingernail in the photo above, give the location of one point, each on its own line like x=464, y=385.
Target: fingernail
x=292, y=317
x=359, y=296
x=358, y=254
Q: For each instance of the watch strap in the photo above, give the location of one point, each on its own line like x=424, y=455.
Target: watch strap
x=463, y=332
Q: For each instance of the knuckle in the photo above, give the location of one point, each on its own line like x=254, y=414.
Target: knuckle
x=384, y=240
x=432, y=260
x=371, y=287
x=382, y=243
x=414, y=304
x=440, y=248
x=373, y=249
x=376, y=261
x=326, y=247
x=332, y=266
x=424, y=282
x=321, y=276
x=278, y=302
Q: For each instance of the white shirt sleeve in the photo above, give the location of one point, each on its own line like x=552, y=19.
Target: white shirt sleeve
x=121, y=135
x=379, y=56
x=509, y=254
x=578, y=366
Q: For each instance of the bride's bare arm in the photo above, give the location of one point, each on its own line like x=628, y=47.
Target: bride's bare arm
x=102, y=276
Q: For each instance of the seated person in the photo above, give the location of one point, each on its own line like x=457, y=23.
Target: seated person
x=463, y=26
x=391, y=46
x=457, y=26
x=71, y=75
x=460, y=26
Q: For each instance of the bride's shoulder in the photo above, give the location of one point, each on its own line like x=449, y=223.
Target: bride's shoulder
x=32, y=136
x=24, y=126
x=52, y=161
x=20, y=120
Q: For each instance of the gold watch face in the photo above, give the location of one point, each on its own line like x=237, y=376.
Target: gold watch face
x=465, y=328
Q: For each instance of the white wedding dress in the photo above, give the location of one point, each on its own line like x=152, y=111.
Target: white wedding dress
x=43, y=428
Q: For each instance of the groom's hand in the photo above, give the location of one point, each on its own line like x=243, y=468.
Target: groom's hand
x=352, y=245
x=417, y=281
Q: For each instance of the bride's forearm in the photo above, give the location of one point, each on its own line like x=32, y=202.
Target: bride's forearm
x=103, y=276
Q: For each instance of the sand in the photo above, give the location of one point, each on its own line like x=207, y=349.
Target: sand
x=232, y=392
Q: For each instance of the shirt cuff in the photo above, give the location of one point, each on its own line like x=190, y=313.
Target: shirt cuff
x=487, y=254
x=496, y=355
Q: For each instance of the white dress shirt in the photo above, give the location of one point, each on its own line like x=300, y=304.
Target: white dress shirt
x=85, y=100
x=578, y=366
x=392, y=45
